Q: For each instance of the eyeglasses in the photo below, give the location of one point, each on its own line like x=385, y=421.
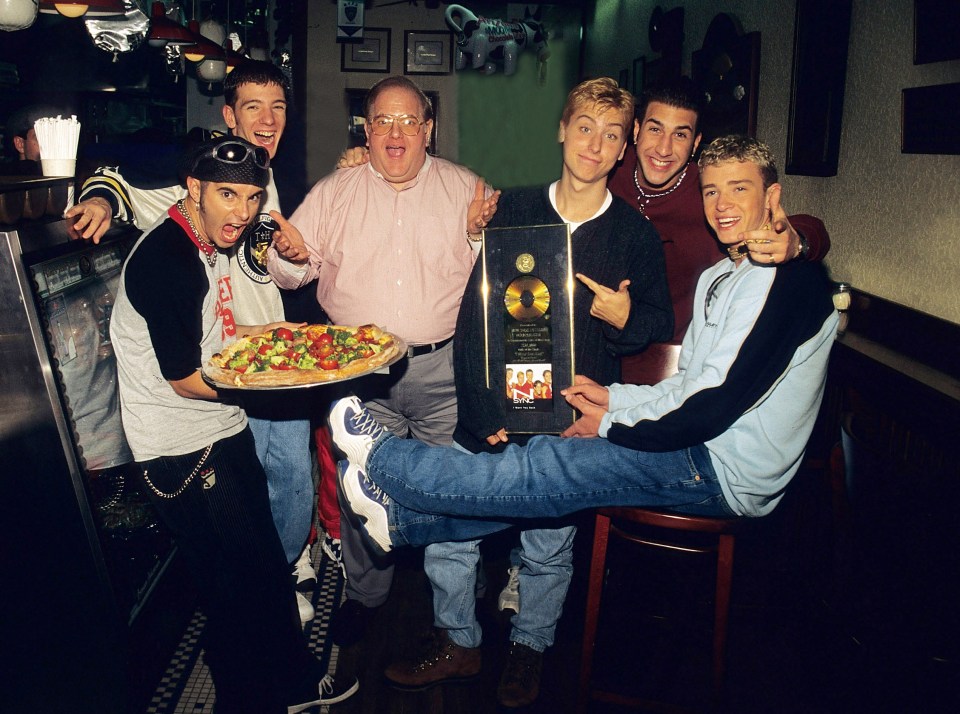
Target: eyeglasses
x=233, y=152
x=712, y=294
x=383, y=124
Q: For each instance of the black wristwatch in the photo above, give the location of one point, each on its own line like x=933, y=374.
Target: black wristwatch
x=804, y=246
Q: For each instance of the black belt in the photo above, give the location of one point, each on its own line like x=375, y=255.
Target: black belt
x=417, y=350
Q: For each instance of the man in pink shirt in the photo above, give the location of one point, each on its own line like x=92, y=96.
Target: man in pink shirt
x=387, y=241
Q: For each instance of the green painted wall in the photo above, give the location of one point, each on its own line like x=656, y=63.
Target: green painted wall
x=508, y=125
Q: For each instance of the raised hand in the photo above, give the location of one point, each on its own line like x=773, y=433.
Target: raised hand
x=611, y=306
x=288, y=241
x=777, y=241
x=481, y=209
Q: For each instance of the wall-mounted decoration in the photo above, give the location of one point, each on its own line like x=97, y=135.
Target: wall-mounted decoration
x=484, y=42
x=371, y=54
x=820, y=39
x=349, y=19
x=924, y=126
x=935, y=24
x=623, y=79
x=637, y=86
x=427, y=52
x=728, y=68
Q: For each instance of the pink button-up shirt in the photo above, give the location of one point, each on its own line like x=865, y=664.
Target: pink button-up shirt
x=399, y=259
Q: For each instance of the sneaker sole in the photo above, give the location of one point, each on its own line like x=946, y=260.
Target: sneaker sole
x=363, y=509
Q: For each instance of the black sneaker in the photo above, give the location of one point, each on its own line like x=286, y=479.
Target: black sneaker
x=520, y=682
x=328, y=692
x=349, y=623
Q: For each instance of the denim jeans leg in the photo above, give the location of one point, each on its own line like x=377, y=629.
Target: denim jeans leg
x=283, y=447
x=550, y=477
x=546, y=557
x=452, y=570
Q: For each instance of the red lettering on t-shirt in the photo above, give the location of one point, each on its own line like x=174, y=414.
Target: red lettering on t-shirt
x=225, y=309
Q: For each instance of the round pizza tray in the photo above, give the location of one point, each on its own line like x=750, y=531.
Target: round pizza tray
x=401, y=353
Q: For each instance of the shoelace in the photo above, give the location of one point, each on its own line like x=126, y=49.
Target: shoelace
x=376, y=491
x=364, y=423
x=326, y=684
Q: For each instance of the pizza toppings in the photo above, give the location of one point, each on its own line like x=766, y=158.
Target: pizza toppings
x=315, y=353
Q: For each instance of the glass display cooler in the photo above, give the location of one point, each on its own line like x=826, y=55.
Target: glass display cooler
x=96, y=598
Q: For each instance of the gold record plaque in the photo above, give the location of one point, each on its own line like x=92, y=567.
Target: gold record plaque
x=528, y=324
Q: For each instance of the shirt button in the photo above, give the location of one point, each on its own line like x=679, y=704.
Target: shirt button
x=399, y=282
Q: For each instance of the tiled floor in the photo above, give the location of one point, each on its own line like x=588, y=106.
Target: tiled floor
x=804, y=637
x=186, y=687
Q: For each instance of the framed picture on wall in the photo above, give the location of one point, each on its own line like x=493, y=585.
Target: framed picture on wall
x=427, y=52
x=369, y=54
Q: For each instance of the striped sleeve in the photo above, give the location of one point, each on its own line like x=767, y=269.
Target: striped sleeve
x=107, y=183
x=760, y=332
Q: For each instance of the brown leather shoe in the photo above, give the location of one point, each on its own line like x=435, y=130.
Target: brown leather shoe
x=520, y=681
x=442, y=661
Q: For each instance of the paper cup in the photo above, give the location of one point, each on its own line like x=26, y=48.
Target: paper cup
x=59, y=167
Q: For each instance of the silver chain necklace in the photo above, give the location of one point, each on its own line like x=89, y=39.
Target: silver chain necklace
x=212, y=255
x=647, y=196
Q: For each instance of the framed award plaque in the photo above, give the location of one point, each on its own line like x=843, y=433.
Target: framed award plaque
x=528, y=324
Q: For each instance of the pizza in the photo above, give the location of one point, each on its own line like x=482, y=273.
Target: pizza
x=307, y=355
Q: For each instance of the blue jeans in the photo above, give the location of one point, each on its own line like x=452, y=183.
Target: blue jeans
x=283, y=447
x=441, y=494
x=547, y=567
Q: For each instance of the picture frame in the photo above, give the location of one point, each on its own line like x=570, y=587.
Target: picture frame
x=821, y=37
x=428, y=52
x=732, y=107
x=921, y=125
x=371, y=53
x=934, y=31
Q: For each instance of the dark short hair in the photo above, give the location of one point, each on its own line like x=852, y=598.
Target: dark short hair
x=254, y=72
x=678, y=92
x=21, y=121
x=397, y=82
x=735, y=147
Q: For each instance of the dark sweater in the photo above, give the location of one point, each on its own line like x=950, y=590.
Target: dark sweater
x=620, y=244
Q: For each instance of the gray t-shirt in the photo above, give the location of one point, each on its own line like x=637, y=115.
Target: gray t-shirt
x=172, y=312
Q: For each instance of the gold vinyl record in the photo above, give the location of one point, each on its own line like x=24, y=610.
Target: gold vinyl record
x=526, y=298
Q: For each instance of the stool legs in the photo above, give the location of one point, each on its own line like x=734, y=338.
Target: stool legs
x=722, y=609
x=594, y=591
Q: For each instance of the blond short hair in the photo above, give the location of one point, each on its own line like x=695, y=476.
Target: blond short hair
x=741, y=148
x=603, y=93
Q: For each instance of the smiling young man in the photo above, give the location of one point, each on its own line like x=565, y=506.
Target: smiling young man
x=659, y=178
x=255, y=109
x=620, y=305
x=722, y=437
x=174, y=309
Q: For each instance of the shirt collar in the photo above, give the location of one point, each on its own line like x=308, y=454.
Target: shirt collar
x=413, y=182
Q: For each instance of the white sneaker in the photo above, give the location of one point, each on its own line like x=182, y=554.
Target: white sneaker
x=353, y=429
x=307, y=613
x=305, y=577
x=510, y=595
x=367, y=502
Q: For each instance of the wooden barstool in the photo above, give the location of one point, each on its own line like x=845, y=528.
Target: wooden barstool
x=724, y=530
x=657, y=362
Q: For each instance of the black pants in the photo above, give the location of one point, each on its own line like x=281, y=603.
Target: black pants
x=254, y=646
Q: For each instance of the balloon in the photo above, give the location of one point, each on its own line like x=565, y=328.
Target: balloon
x=486, y=42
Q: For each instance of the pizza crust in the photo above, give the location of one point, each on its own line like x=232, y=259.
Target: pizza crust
x=216, y=370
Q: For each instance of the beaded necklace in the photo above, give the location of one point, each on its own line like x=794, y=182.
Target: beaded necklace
x=209, y=250
x=647, y=196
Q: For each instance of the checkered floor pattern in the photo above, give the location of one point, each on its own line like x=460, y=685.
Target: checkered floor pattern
x=186, y=687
